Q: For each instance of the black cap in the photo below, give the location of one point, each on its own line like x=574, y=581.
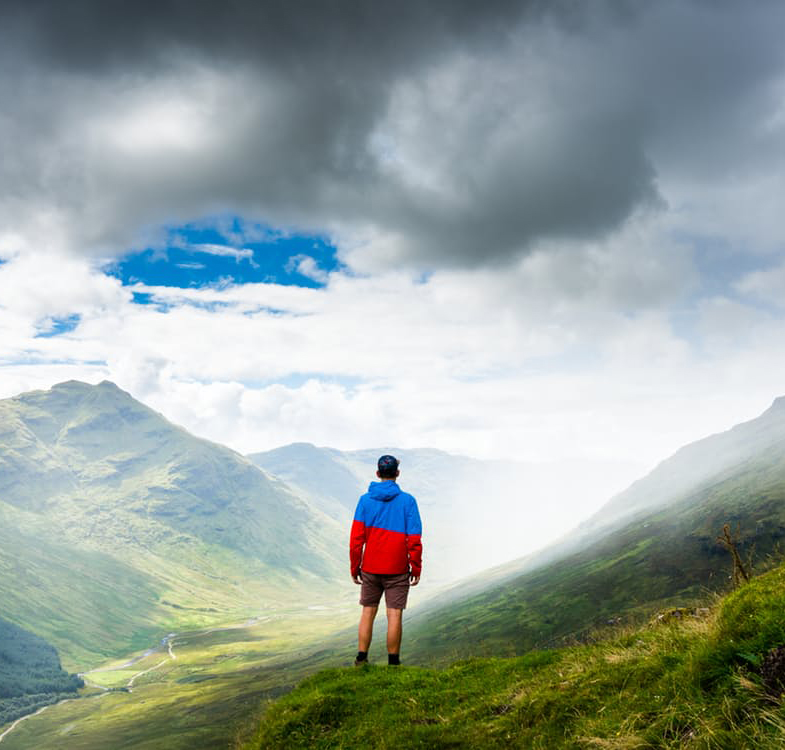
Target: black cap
x=387, y=465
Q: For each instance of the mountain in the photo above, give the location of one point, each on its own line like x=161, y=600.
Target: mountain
x=708, y=461
x=116, y=525
x=653, y=545
x=331, y=479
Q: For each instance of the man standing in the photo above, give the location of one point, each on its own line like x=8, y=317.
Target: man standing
x=385, y=552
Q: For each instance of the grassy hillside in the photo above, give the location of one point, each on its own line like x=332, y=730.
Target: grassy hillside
x=701, y=680
x=86, y=603
x=664, y=557
x=127, y=476
x=117, y=527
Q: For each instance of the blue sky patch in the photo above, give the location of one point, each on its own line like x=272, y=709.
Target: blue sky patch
x=274, y=311
x=297, y=380
x=57, y=326
x=721, y=264
x=228, y=251
x=144, y=298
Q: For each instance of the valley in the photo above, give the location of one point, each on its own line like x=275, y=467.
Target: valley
x=198, y=688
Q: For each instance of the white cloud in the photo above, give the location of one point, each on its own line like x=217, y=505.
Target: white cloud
x=473, y=363
x=222, y=250
x=765, y=286
x=308, y=267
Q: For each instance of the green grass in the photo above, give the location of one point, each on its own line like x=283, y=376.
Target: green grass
x=86, y=603
x=691, y=682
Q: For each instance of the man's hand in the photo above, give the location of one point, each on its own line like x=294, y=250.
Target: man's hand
x=413, y=579
x=358, y=579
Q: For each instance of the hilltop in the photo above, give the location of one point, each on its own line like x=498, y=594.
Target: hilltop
x=702, y=679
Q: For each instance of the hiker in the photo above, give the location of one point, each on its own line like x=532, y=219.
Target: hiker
x=386, y=556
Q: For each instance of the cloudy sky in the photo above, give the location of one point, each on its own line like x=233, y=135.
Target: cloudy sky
x=539, y=230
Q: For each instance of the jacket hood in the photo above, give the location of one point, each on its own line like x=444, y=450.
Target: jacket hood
x=383, y=491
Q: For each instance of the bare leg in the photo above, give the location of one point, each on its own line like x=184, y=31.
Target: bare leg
x=394, y=630
x=365, y=631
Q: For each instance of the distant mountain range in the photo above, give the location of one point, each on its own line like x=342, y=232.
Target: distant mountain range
x=653, y=545
x=117, y=526
x=476, y=513
x=461, y=499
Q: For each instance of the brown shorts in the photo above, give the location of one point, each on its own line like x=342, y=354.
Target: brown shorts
x=394, y=586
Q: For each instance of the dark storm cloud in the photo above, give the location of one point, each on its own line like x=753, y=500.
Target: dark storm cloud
x=86, y=35
x=452, y=132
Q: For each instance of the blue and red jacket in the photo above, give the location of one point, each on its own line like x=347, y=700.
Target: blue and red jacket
x=387, y=524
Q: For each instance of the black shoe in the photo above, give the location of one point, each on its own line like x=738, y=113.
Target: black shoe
x=360, y=662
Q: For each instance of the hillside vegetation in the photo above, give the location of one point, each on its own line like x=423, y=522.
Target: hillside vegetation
x=30, y=673
x=201, y=695
x=700, y=679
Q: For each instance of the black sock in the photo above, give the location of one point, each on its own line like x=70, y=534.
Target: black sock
x=393, y=659
x=362, y=656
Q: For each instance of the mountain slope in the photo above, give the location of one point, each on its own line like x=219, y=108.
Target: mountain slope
x=112, y=516
x=327, y=476
x=705, y=681
x=704, y=462
x=640, y=560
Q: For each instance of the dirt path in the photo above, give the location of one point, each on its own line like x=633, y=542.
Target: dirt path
x=40, y=711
